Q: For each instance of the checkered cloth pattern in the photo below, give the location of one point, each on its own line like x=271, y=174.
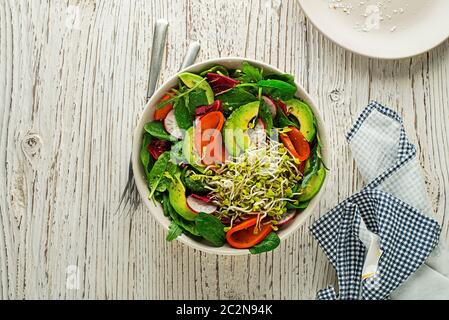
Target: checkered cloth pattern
x=390, y=206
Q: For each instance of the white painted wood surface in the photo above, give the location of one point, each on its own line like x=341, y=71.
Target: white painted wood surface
x=73, y=79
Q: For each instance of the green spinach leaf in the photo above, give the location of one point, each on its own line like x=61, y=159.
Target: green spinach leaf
x=211, y=229
x=174, y=232
x=157, y=173
x=145, y=157
x=184, y=118
x=165, y=204
x=165, y=181
x=156, y=130
x=197, y=99
x=270, y=243
x=290, y=79
x=235, y=98
x=265, y=115
x=283, y=121
x=278, y=89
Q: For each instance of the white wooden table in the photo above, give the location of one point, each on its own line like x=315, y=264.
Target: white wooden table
x=73, y=78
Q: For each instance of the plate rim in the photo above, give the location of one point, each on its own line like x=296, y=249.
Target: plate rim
x=366, y=54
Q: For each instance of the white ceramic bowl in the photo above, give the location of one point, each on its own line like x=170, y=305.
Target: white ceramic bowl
x=147, y=116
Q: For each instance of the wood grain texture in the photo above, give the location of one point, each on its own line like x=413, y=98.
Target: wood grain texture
x=73, y=78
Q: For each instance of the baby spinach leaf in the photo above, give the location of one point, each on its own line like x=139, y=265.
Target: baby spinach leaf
x=270, y=243
x=184, y=118
x=211, y=229
x=174, y=232
x=283, y=77
x=165, y=204
x=145, y=157
x=166, y=179
x=156, y=130
x=278, y=89
x=215, y=69
x=197, y=99
x=265, y=115
x=235, y=98
x=283, y=121
x=315, y=165
x=157, y=173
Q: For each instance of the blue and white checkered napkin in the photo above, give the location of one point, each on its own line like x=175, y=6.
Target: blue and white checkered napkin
x=380, y=240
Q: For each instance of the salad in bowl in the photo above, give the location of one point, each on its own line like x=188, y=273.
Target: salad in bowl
x=229, y=157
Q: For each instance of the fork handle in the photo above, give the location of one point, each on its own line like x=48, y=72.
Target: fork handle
x=191, y=55
x=157, y=52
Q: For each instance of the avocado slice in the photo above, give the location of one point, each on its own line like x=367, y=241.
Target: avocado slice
x=235, y=136
x=191, y=80
x=314, y=186
x=306, y=119
x=189, y=152
x=178, y=199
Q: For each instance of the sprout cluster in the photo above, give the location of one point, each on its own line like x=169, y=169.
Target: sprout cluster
x=260, y=181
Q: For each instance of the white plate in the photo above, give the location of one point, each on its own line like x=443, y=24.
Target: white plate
x=387, y=29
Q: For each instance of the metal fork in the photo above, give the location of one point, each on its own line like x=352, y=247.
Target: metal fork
x=130, y=194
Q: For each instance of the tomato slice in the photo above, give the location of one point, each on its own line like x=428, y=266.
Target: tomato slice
x=300, y=143
x=246, y=235
x=161, y=114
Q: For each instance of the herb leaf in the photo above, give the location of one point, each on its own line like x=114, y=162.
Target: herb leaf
x=278, y=89
x=270, y=243
x=211, y=229
x=174, y=232
x=251, y=73
x=156, y=129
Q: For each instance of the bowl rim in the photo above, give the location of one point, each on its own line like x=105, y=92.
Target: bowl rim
x=147, y=115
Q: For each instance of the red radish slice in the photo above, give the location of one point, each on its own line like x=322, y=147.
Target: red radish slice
x=271, y=105
x=202, y=198
x=287, y=218
x=198, y=206
x=258, y=135
x=172, y=127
